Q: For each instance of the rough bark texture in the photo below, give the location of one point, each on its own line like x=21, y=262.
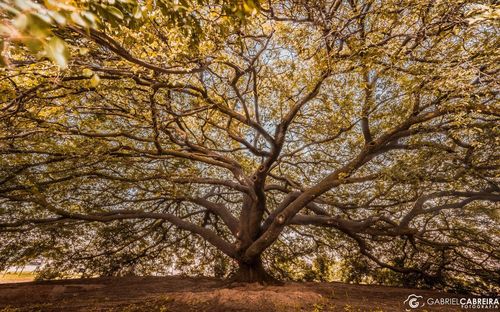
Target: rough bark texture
x=254, y=272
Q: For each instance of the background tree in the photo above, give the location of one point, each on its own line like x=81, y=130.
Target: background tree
x=364, y=131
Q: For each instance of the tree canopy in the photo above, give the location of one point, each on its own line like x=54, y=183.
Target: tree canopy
x=357, y=134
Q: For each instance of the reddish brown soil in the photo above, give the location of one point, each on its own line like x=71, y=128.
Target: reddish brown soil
x=203, y=294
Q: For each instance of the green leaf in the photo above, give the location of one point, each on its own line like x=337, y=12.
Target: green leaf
x=87, y=72
x=57, y=51
x=9, y=9
x=115, y=12
x=95, y=80
x=20, y=22
x=58, y=18
x=24, y=5
x=83, y=51
x=90, y=18
x=77, y=19
x=138, y=12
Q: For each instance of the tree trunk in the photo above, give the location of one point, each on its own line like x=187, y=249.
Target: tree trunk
x=254, y=272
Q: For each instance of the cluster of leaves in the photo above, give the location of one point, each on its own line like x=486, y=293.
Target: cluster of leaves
x=36, y=25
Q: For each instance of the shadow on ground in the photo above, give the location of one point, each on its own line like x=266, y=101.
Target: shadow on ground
x=203, y=294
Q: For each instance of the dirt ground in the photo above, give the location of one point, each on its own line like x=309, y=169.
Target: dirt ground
x=204, y=294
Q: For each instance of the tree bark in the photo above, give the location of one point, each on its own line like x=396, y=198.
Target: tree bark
x=253, y=272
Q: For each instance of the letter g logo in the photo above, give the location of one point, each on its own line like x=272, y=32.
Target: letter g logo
x=413, y=301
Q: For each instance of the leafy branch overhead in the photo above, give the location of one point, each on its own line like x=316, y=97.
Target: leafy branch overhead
x=36, y=25
x=353, y=140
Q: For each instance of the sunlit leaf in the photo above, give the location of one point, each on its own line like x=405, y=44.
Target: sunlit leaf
x=57, y=51
x=95, y=80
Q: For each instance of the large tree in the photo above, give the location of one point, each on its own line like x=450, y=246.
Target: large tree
x=361, y=127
